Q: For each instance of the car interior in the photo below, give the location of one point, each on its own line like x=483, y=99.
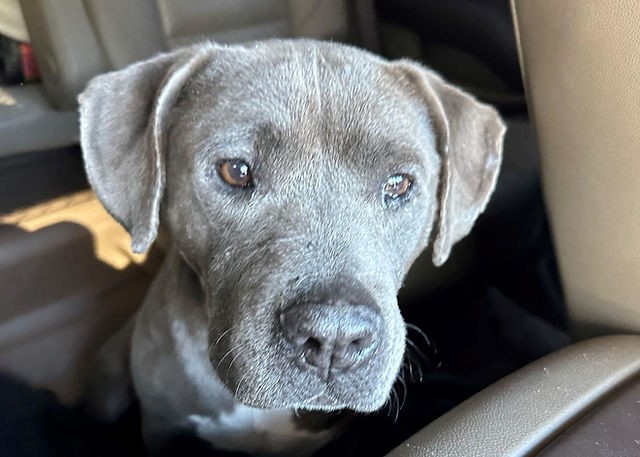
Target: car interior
x=524, y=343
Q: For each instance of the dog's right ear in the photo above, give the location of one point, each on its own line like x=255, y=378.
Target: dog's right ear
x=123, y=117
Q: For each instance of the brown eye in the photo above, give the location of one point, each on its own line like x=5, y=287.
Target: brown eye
x=235, y=172
x=397, y=186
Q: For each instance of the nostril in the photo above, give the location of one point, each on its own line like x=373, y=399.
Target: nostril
x=312, y=345
x=316, y=353
x=357, y=345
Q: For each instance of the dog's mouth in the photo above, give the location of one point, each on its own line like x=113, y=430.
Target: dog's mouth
x=330, y=349
x=277, y=377
x=320, y=396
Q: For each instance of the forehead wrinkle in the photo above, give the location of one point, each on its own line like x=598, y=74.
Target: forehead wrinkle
x=316, y=80
x=372, y=130
x=381, y=153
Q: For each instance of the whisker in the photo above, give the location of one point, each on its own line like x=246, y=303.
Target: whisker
x=397, y=403
x=214, y=344
x=392, y=398
x=432, y=349
x=404, y=393
x=420, y=332
x=414, y=347
x=410, y=365
x=413, y=362
x=227, y=354
x=233, y=360
x=418, y=368
x=223, y=334
x=240, y=383
x=389, y=400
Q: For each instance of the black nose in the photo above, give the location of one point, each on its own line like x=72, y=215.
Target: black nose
x=331, y=336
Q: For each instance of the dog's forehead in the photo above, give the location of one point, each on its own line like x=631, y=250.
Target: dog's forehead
x=317, y=95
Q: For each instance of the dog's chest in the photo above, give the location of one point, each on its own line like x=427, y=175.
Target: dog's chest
x=261, y=432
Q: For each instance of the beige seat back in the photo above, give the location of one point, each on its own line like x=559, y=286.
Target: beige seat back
x=581, y=65
x=76, y=39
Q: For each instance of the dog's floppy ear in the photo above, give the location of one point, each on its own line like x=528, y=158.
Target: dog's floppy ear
x=122, y=123
x=469, y=137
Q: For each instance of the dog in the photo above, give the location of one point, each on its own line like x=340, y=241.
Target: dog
x=298, y=180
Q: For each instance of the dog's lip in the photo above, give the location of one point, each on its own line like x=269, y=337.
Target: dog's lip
x=321, y=403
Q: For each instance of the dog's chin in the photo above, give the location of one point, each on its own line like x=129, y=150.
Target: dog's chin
x=324, y=399
x=320, y=404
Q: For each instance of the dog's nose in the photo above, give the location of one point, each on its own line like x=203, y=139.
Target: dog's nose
x=331, y=336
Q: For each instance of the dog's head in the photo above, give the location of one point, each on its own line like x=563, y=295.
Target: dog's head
x=299, y=180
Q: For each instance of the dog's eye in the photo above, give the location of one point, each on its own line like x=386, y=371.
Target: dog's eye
x=235, y=172
x=397, y=186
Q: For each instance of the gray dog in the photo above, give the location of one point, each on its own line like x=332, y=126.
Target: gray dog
x=298, y=181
